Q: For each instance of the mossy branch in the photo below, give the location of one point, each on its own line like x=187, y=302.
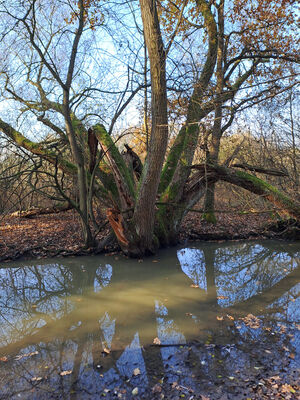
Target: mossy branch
x=37, y=148
x=123, y=177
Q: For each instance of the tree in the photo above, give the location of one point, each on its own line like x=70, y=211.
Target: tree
x=145, y=213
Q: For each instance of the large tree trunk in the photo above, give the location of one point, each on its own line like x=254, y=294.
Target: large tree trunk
x=144, y=213
x=216, y=134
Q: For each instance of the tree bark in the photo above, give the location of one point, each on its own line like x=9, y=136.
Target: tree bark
x=144, y=213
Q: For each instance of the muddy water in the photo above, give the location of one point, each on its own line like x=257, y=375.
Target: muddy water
x=179, y=324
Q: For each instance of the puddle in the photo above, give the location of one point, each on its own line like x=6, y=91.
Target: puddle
x=215, y=320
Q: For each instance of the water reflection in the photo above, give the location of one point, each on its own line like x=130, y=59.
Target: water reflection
x=78, y=326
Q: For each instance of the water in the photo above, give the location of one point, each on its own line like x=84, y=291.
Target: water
x=111, y=326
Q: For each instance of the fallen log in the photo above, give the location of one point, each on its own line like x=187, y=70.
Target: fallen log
x=40, y=211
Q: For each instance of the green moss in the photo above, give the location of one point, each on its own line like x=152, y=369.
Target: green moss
x=210, y=217
x=267, y=188
x=172, y=161
x=113, y=152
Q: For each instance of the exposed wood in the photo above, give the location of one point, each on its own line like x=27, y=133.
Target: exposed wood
x=93, y=144
x=135, y=161
x=116, y=222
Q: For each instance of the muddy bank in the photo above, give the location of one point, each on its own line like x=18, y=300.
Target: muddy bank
x=52, y=235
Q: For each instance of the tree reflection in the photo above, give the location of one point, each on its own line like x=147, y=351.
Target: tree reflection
x=99, y=322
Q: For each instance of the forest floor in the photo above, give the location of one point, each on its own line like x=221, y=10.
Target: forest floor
x=52, y=235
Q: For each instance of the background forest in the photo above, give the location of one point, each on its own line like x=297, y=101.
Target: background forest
x=135, y=112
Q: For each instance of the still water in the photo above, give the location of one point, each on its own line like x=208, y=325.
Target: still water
x=109, y=326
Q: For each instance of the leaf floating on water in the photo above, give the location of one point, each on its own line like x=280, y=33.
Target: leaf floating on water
x=136, y=372
x=135, y=391
x=230, y=317
x=156, y=341
x=19, y=357
x=220, y=318
x=286, y=388
x=194, y=286
x=64, y=373
x=4, y=359
x=106, y=350
x=252, y=321
x=36, y=379
x=156, y=388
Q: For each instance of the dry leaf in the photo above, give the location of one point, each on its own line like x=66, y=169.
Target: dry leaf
x=36, y=379
x=156, y=388
x=4, y=359
x=19, y=357
x=220, y=318
x=194, y=286
x=63, y=373
x=136, y=372
x=106, y=350
x=156, y=341
x=135, y=391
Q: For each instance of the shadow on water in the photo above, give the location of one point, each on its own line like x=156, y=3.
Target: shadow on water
x=188, y=322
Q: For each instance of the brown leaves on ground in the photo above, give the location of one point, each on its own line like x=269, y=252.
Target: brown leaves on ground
x=231, y=225
x=41, y=236
x=49, y=235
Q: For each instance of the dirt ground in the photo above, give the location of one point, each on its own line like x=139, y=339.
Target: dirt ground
x=59, y=234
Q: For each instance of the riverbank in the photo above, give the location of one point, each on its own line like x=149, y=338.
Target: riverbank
x=52, y=235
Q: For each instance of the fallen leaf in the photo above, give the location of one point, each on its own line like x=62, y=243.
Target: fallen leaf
x=156, y=388
x=19, y=357
x=64, y=373
x=106, y=350
x=194, y=286
x=36, y=379
x=4, y=359
x=220, y=318
x=222, y=297
x=230, y=317
x=156, y=341
x=135, y=391
x=136, y=372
